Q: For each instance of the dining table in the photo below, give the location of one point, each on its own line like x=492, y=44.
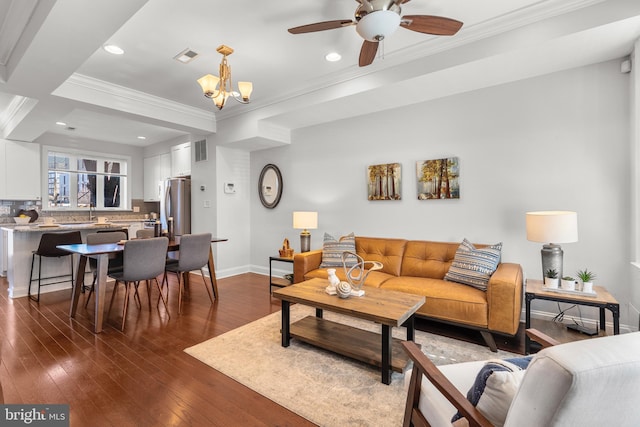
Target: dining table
x=101, y=254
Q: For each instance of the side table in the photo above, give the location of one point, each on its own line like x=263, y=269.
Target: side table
x=278, y=281
x=534, y=289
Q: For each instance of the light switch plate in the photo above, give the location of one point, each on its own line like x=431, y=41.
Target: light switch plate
x=207, y=203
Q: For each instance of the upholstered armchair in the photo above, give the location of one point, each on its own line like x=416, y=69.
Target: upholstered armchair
x=591, y=382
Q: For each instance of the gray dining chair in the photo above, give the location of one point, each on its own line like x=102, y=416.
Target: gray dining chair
x=193, y=255
x=143, y=259
x=115, y=260
x=47, y=248
x=145, y=233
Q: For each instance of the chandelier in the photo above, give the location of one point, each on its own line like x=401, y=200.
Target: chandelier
x=220, y=88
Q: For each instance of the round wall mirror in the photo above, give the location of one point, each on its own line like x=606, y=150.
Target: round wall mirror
x=270, y=186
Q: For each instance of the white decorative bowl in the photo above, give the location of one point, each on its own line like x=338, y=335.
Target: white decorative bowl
x=21, y=219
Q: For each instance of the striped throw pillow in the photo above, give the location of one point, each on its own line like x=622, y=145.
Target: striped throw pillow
x=332, y=250
x=472, y=266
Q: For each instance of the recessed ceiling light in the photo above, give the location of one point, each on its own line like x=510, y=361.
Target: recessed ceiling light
x=333, y=56
x=113, y=49
x=142, y=137
x=61, y=123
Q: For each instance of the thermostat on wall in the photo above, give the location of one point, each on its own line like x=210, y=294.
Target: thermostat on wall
x=229, y=188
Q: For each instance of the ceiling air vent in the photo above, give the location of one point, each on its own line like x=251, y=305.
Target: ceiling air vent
x=186, y=56
x=201, y=150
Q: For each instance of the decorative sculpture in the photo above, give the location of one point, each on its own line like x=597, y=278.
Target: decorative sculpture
x=357, y=274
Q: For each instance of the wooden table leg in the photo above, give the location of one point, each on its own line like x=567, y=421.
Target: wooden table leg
x=212, y=274
x=77, y=286
x=100, y=290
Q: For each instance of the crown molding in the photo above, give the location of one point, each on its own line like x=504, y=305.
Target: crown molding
x=91, y=90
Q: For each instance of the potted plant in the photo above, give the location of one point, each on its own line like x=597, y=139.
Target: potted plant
x=551, y=278
x=587, y=277
x=568, y=283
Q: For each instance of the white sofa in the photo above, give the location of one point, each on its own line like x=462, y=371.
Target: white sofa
x=592, y=382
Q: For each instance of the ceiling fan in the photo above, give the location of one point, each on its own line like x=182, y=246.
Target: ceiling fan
x=377, y=19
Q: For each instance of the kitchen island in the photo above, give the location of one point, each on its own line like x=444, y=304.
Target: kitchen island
x=22, y=240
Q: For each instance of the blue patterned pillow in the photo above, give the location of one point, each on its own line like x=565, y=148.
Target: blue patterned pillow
x=495, y=386
x=472, y=266
x=332, y=250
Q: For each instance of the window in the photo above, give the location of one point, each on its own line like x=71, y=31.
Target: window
x=77, y=181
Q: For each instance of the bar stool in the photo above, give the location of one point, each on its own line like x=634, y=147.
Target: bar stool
x=47, y=249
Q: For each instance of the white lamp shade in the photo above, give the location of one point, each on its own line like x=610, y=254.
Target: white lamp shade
x=208, y=83
x=375, y=26
x=245, y=89
x=305, y=220
x=552, y=226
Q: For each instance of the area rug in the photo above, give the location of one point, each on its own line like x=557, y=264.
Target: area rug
x=326, y=389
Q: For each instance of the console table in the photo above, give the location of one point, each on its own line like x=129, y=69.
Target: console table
x=278, y=281
x=534, y=289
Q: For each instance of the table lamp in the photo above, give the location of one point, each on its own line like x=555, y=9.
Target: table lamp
x=551, y=228
x=305, y=221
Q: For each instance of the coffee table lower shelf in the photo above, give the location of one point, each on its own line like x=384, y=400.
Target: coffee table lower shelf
x=348, y=341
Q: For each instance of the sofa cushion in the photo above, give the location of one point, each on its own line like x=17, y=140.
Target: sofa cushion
x=474, y=266
x=495, y=386
x=387, y=251
x=428, y=259
x=448, y=301
x=332, y=250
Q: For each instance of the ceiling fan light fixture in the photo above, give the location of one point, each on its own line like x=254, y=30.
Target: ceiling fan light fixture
x=375, y=26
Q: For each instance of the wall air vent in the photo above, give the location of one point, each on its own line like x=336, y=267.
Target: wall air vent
x=201, y=150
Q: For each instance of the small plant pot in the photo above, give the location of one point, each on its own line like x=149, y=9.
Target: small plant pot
x=587, y=287
x=551, y=283
x=569, y=285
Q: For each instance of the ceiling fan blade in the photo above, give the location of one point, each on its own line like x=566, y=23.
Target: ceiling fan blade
x=436, y=25
x=368, y=53
x=321, y=26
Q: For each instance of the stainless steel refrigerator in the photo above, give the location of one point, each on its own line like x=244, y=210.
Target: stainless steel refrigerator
x=176, y=204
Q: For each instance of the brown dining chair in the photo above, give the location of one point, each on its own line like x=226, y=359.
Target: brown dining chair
x=143, y=259
x=47, y=248
x=115, y=260
x=193, y=255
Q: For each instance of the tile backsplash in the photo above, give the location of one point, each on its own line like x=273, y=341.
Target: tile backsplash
x=10, y=208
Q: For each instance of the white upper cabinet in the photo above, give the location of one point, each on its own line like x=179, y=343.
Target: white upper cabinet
x=20, y=175
x=181, y=159
x=156, y=170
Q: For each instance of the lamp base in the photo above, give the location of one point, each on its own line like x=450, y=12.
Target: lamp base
x=551, y=259
x=305, y=241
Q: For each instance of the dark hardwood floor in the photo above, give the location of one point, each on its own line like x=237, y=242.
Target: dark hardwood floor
x=139, y=377
x=142, y=377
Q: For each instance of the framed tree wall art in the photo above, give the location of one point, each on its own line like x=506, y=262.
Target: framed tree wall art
x=384, y=181
x=438, y=179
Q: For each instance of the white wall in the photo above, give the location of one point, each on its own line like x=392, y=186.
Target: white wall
x=559, y=141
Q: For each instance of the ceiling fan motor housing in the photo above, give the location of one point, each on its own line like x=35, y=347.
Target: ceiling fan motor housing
x=377, y=19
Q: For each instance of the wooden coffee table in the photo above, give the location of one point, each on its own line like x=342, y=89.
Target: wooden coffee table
x=388, y=308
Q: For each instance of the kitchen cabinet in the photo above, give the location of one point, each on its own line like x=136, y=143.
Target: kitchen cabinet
x=181, y=160
x=20, y=175
x=156, y=170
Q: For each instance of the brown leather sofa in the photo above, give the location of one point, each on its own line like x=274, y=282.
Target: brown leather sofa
x=419, y=267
